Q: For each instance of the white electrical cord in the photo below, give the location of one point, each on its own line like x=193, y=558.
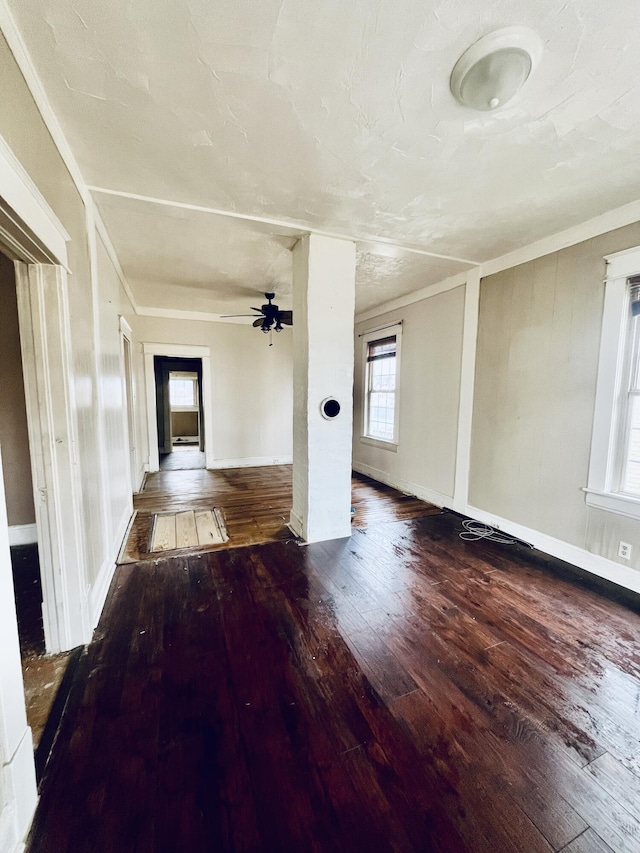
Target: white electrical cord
x=475, y=530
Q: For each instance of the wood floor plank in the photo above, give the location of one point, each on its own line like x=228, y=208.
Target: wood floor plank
x=588, y=842
x=208, y=532
x=164, y=533
x=186, y=532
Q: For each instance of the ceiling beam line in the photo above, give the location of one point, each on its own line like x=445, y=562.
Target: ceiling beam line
x=280, y=223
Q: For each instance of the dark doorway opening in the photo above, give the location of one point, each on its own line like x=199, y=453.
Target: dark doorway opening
x=179, y=412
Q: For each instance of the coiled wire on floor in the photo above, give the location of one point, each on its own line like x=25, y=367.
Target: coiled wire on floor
x=475, y=530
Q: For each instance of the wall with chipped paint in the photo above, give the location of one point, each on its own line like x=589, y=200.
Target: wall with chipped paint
x=424, y=463
x=537, y=358
x=251, y=385
x=93, y=316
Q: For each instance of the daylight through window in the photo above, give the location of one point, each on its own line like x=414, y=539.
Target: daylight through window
x=183, y=391
x=381, y=388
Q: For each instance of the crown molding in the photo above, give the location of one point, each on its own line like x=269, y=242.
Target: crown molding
x=416, y=296
x=200, y=316
x=628, y=214
x=103, y=233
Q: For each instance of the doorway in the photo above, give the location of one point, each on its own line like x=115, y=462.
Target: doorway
x=179, y=412
x=41, y=674
x=177, y=358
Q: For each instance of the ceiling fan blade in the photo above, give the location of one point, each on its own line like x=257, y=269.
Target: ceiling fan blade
x=258, y=322
x=236, y=315
x=256, y=309
x=286, y=317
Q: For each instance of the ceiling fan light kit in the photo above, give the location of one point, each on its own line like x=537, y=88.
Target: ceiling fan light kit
x=494, y=69
x=269, y=317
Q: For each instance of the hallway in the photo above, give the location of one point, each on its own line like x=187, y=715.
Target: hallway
x=400, y=690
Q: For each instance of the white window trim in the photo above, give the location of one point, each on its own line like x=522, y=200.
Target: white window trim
x=603, y=474
x=367, y=338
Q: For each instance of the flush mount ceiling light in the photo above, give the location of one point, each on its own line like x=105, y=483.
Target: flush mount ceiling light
x=495, y=68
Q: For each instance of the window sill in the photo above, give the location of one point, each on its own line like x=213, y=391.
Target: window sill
x=379, y=442
x=613, y=502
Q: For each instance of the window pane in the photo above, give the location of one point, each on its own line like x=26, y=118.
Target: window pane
x=182, y=392
x=381, y=399
x=631, y=479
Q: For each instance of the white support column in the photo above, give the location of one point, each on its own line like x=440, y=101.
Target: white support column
x=323, y=310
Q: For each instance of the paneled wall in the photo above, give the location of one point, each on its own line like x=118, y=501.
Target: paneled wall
x=424, y=463
x=538, y=343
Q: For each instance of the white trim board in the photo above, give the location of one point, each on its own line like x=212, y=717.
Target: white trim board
x=467, y=385
x=23, y=534
x=252, y=462
x=593, y=563
x=102, y=232
x=23, y=197
x=291, y=228
x=443, y=286
x=176, y=350
x=100, y=588
x=405, y=486
x=199, y=316
x=628, y=214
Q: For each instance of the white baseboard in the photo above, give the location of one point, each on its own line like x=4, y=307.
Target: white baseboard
x=100, y=588
x=295, y=525
x=23, y=534
x=406, y=486
x=252, y=462
x=593, y=563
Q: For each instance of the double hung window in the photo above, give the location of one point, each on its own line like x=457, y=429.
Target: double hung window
x=382, y=358
x=614, y=471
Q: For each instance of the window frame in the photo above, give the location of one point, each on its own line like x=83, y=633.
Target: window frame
x=394, y=330
x=612, y=402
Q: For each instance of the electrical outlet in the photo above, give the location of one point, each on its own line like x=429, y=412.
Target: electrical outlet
x=624, y=550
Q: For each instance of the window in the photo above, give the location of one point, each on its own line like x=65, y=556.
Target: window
x=630, y=480
x=614, y=471
x=183, y=391
x=381, y=357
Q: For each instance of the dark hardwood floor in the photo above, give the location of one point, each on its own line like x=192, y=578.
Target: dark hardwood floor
x=401, y=690
x=255, y=503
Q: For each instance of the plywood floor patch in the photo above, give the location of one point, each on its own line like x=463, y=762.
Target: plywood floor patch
x=188, y=529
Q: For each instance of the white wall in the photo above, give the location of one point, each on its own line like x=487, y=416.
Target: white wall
x=251, y=385
x=424, y=463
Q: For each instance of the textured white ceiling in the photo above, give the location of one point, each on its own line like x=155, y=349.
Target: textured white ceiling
x=337, y=115
x=189, y=260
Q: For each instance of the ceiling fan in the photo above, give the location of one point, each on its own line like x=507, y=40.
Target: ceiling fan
x=269, y=316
